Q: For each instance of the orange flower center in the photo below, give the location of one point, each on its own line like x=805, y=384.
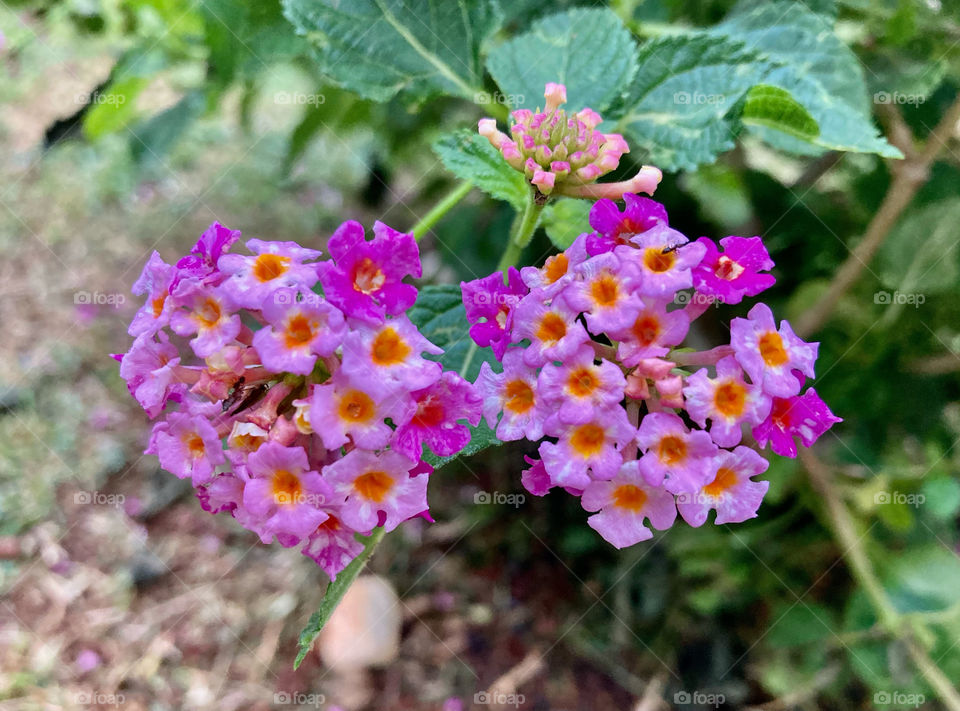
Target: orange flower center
x=552, y=328
x=605, y=290
x=367, y=276
x=286, y=487
x=729, y=399
x=268, y=266
x=373, y=486
x=331, y=525
x=656, y=261
x=356, y=406
x=582, y=381
x=300, y=331
x=672, y=450
x=194, y=445
x=727, y=269
x=772, y=350
x=157, y=304
x=388, y=348
x=588, y=440
x=725, y=478
x=430, y=412
x=630, y=497
x=518, y=396
x=646, y=329
x=555, y=267
x=209, y=313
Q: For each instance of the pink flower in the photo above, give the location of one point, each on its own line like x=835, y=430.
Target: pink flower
x=439, y=408
x=282, y=496
x=489, y=305
x=535, y=479
x=514, y=393
x=554, y=331
x=355, y=408
x=728, y=401
x=154, y=281
x=557, y=271
x=201, y=263
x=391, y=352
x=806, y=416
x=187, y=446
x=366, y=278
x=150, y=371
x=223, y=492
x=770, y=356
x=332, y=546
x=731, y=491
x=624, y=502
x=614, y=228
x=277, y=264
x=375, y=484
x=673, y=456
x=209, y=313
x=735, y=273
x=651, y=333
x=607, y=291
x=579, y=388
x=592, y=445
x=666, y=258
x=302, y=327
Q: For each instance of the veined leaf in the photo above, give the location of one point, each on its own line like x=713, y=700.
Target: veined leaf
x=773, y=107
x=565, y=220
x=470, y=156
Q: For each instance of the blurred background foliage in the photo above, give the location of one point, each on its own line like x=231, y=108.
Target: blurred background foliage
x=129, y=124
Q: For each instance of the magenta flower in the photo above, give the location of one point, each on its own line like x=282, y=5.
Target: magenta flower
x=355, y=408
x=223, y=492
x=514, y=393
x=210, y=314
x=282, y=496
x=727, y=400
x=557, y=271
x=673, y=456
x=555, y=333
x=154, y=281
x=607, y=291
x=201, y=263
x=489, y=304
x=614, y=228
x=149, y=369
x=806, y=416
x=365, y=280
x=593, y=445
x=391, y=352
x=302, y=327
x=276, y=264
x=735, y=273
x=652, y=333
x=730, y=491
x=437, y=419
x=665, y=257
x=770, y=356
x=624, y=502
x=579, y=388
x=377, y=484
x=535, y=479
x=187, y=446
x=332, y=546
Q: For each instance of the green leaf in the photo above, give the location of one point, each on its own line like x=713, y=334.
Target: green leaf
x=441, y=318
x=943, y=497
x=153, y=138
x=378, y=48
x=587, y=50
x=677, y=108
x=113, y=108
x=470, y=156
x=334, y=594
x=817, y=69
x=565, y=220
x=924, y=579
x=773, y=107
x=920, y=255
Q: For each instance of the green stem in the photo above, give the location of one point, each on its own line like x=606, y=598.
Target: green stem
x=522, y=234
x=427, y=222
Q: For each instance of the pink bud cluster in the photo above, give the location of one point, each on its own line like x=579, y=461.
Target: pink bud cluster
x=301, y=415
x=593, y=364
x=565, y=154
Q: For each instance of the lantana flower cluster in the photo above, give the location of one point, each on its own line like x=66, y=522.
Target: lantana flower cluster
x=303, y=416
x=628, y=419
x=565, y=154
